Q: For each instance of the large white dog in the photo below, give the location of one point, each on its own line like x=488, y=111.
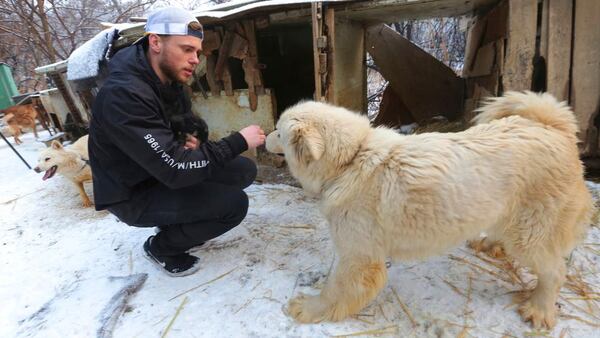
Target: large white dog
x=515, y=175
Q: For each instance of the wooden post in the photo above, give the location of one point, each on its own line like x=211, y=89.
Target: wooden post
x=558, y=56
x=316, y=8
x=213, y=83
x=330, y=23
x=585, y=84
x=224, y=53
x=522, y=29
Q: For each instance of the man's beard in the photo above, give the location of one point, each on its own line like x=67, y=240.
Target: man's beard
x=170, y=72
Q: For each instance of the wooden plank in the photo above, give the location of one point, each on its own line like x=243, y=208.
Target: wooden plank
x=484, y=60
x=330, y=25
x=350, y=69
x=399, y=10
x=250, y=30
x=585, y=83
x=427, y=86
x=227, y=83
x=496, y=23
x=392, y=111
x=224, y=54
x=488, y=28
x=239, y=47
x=213, y=83
x=474, y=38
x=522, y=29
x=316, y=33
x=558, y=55
x=211, y=42
x=544, y=28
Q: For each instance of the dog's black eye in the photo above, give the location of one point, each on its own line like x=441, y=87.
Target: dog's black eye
x=47, y=159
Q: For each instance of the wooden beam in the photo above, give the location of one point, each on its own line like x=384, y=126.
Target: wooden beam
x=213, y=83
x=224, y=53
x=316, y=33
x=350, y=69
x=585, y=83
x=558, y=55
x=522, y=28
x=330, y=25
x=250, y=30
x=425, y=85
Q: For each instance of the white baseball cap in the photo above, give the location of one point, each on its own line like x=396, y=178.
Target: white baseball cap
x=171, y=21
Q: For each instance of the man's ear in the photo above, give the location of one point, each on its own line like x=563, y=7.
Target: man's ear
x=154, y=43
x=308, y=143
x=56, y=145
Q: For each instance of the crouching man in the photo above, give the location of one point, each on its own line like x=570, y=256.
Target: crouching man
x=142, y=173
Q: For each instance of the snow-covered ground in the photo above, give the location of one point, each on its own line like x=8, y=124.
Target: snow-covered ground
x=62, y=268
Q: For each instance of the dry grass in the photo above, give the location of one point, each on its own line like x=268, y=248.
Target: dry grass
x=205, y=283
x=385, y=330
x=164, y=334
x=577, y=293
x=405, y=309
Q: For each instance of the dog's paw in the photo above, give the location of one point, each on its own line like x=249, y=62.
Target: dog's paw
x=540, y=316
x=491, y=248
x=307, y=309
x=87, y=203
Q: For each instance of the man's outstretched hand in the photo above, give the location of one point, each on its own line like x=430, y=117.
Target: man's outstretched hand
x=254, y=136
x=191, y=142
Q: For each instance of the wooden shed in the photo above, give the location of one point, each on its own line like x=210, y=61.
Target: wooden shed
x=263, y=56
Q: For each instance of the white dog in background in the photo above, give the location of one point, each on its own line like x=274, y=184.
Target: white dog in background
x=71, y=162
x=515, y=175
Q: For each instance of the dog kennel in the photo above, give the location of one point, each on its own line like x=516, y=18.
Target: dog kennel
x=262, y=56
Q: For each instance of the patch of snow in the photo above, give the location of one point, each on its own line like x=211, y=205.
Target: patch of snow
x=57, y=260
x=84, y=62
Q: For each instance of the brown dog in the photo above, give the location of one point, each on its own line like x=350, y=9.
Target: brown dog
x=17, y=117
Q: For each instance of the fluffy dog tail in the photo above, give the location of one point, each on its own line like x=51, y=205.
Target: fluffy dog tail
x=542, y=108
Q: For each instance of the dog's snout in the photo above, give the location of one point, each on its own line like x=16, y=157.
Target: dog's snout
x=37, y=170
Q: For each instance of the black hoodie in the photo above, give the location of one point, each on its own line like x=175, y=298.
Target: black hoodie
x=131, y=143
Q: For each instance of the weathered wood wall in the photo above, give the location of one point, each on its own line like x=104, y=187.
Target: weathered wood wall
x=543, y=45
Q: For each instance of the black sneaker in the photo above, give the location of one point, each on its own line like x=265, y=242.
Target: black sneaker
x=174, y=266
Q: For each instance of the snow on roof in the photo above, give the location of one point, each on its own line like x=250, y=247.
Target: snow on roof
x=84, y=62
x=53, y=67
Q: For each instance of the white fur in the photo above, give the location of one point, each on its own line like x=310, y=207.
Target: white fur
x=516, y=175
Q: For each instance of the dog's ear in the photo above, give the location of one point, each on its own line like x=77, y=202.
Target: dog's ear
x=56, y=145
x=309, y=144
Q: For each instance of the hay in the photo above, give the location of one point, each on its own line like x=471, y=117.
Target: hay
x=480, y=268
x=174, y=317
x=385, y=330
x=405, y=309
x=453, y=287
x=580, y=319
x=383, y=313
x=299, y=226
x=205, y=283
x=537, y=334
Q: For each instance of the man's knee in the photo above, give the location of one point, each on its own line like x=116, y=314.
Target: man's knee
x=239, y=208
x=249, y=170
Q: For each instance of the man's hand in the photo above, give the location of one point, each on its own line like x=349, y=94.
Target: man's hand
x=191, y=142
x=254, y=136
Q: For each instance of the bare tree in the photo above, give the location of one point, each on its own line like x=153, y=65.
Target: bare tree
x=38, y=32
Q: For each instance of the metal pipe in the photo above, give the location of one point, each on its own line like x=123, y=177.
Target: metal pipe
x=15, y=150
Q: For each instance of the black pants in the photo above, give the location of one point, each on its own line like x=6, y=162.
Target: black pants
x=192, y=215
